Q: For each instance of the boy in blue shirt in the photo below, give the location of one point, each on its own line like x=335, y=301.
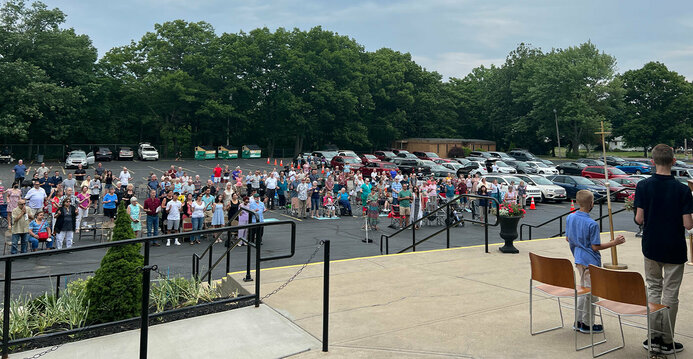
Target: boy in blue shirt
x=582, y=233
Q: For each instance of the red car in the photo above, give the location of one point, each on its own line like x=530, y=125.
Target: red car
x=598, y=172
x=629, y=182
x=378, y=167
x=613, y=187
x=441, y=161
x=338, y=162
x=366, y=159
x=385, y=155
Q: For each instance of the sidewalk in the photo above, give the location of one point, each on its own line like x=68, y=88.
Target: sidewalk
x=459, y=303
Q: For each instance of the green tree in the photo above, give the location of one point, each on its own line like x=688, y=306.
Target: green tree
x=658, y=107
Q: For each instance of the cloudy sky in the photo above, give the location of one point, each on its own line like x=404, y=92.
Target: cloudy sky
x=448, y=36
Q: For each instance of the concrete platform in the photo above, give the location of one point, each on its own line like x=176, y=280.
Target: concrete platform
x=456, y=303
x=241, y=333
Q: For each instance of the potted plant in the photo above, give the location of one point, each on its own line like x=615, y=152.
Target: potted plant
x=630, y=206
x=509, y=215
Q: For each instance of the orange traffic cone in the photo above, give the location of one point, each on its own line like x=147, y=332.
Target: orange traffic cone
x=323, y=170
x=532, y=205
x=572, y=205
x=275, y=161
x=268, y=160
x=281, y=163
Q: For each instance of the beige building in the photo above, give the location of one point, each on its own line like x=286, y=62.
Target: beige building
x=441, y=146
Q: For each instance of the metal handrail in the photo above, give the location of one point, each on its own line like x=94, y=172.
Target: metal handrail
x=560, y=218
x=445, y=206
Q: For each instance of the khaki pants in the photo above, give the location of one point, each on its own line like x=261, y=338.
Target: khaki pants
x=302, y=205
x=583, y=308
x=663, y=284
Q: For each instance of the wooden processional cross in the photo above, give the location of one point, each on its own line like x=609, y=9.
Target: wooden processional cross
x=614, y=254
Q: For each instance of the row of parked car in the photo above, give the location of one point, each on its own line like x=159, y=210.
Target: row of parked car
x=145, y=151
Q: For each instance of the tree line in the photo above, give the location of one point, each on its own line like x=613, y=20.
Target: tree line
x=182, y=85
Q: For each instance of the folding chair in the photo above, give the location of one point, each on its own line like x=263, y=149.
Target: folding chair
x=624, y=294
x=88, y=225
x=558, y=281
x=394, y=216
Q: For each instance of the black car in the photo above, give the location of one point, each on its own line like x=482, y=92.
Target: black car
x=404, y=154
x=615, y=161
x=522, y=167
x=411, y=166
x=522, y=155
x=102, y=153
x=571, y=168
x=482, y=154
x=502, y=156
x=591, y=162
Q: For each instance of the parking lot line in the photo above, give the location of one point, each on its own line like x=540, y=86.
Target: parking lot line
x=287, y=216
x=63, y=168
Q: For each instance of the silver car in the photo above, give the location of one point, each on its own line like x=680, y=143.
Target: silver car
x=549, y=191
x=76, y=158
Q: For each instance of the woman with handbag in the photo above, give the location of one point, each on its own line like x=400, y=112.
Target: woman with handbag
x=65, y=223
x=40, y=231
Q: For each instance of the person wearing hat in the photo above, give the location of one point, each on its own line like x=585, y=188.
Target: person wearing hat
x=258, y=208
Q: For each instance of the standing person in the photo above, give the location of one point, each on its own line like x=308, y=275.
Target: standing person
x=271, y=185
x=124, y=178
x=36, y=197
x=511, y=195
x=365, y=191
x=42, y=171
x=109, y=204
x=282, y=187
x=416, y=206
x=99, y=170
x=373, y=210
x=54, y=181
x=232, y=209
x=82, y=206
x=243, y=219
x=40, y=231
x=108, y=180
x=314, y=200
x=21, y=217
x=152, y=207
x=522, y=194
x=65, y=224
x=173, y=208
x=197, y=218
x=14, y=194
x=19, y=172
x=69, y=183
x=663, y=207
x=134, y=214
x=302, y=194
x=259, y=209
x=496, y=191
x=80, y=173
x=208, y=200
x=217, y=174
x=95, y=193
x=405, y=198
x=395, y=188
x=582, y=233
x=218, y=216
x=483, y=202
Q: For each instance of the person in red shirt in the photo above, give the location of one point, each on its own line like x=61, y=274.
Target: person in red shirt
x=152, y=206
x=171, y=172
x=217, y=174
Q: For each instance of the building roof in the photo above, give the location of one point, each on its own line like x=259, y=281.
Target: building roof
x=448, y=140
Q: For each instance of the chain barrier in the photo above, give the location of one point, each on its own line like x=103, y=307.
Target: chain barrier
x=312, y=256
x=38, y=355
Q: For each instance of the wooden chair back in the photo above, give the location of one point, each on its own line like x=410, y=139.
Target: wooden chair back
x=553, y=271
x=618, y=286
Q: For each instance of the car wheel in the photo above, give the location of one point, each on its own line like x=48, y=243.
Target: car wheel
x=638, y=172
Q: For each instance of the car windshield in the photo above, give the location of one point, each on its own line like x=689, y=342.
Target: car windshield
x=148, y=149
x=501, y=164
x=532, y=164
x=370, y=157
x=542, y=165
x=389, y=166
x=351, y=160
x=616, y=171
x=429, y=163
x=583, y=181
x=453, y=165
x=329, y=155
x=618, y=159
x=389, y=154
x=432, y=154
x=78, y=154
x=540, y=180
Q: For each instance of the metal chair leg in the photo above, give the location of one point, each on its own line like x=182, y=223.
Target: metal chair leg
x=531, y=331
x=623, y=340
x=601, y=320
x=671, y=330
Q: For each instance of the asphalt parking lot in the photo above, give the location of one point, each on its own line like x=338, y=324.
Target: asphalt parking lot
x=346, y=234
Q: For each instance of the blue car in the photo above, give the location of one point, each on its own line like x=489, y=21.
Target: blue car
x=573, y=184
x=637, y=168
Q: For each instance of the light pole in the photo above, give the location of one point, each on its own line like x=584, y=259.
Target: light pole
x=228, y=123
x=558, y=136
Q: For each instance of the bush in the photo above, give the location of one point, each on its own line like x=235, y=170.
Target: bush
x=115, y=291
x=459, y=152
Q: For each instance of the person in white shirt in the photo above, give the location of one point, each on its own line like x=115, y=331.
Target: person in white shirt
x=42, y=170
x=124, y=178
x=271, y=185
x=494, y=168
x=36, y=197
x=173, y=208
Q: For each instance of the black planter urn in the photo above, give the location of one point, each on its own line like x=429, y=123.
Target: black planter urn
x=509, y=233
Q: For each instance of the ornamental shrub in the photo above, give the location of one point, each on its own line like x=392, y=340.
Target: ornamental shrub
x=115, y=291
x=459, y=152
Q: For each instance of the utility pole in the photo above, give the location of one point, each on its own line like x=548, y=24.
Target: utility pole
x=558, y=136
x=228, y=123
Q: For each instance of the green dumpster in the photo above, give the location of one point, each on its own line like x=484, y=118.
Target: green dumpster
x=223, y=153
x=233, y=152
x=251, y=151
x=199, y=153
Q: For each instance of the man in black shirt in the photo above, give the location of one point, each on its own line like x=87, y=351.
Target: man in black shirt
x=79, y=174
x=664, y=206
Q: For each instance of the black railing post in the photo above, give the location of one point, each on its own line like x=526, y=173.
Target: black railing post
x=144, y=320
x=447, y=229
x=57, y=287
x=209, y=267
x=6, y=310
x=560, y=226
x=413, y=238
x=228, y=248
x=247, y=278
x=326, y=296
x=257, y=273
x=530, y=233
x=194, y=270
x=601, y=203
x=486, y=226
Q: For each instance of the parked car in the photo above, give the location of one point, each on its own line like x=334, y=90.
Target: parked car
x=441, y=161
x=502, y=156
x=426, y=155
x=598, y=172
x=679, y=171
x=477, y=159
x=571, y=168
x=405, y=154
x=147, y=152
x=126, y=153
x=482, y=154
x=300, y=159
x=542, y=168
x=522, y=167
x=327, y=155
x=377, y=166
x=591, y=162
x=474, y=167
x=102, y=153
x=368, y=158
x=522, y=155
x=532, y=190
x=549, y=191
x=615, y=161
x=385, y=155
x=411, y=166
x=338, y=162
x=348, y=153
x=613, y=188
x=640, y=177
x=630, y=182
x=398, y=151
x=634, y=167
x=78, y=157
x=502, y=167
x=573, y=184
x=438, y=170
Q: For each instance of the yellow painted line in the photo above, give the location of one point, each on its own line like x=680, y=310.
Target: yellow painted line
x=408, y=253
x=287, y=216
x=63, y=168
